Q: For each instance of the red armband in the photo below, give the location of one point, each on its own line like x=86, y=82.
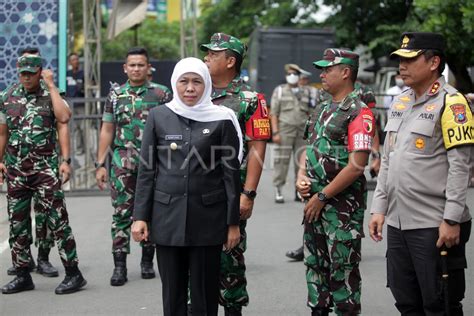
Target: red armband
x=361, y=131
x=258, y=126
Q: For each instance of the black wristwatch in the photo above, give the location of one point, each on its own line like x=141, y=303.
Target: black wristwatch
x=451, y=222
x=322, y=197
x=66, y=160
x=251, y=194
x=376, y=155
x=99, y=165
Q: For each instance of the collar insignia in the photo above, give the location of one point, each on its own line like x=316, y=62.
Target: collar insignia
x=434, y=88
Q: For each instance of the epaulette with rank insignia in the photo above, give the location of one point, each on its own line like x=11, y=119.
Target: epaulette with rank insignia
x=249, y=94
x=350, y=101
x=434, y=88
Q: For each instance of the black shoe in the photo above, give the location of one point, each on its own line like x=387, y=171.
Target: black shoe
x=71, y=284
x=232, y=311
x=148, y=252
x=147, y=270
x=46, y=268
x=31, y=267
x=296, y=255
x=19, y=284
x=119, y=276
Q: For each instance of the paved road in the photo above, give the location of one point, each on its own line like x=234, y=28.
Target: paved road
x=276, y=285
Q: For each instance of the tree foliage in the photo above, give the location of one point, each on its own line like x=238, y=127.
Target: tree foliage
x=161, y=39
x=379, y=24
x=240, y=18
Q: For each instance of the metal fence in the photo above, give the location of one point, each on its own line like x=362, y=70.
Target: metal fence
x=84, y=128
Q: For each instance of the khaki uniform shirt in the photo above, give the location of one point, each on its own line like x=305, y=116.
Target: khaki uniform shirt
x=291, y=108
x=426, y=159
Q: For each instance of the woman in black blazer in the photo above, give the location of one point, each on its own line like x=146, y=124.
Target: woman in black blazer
x=188, y=188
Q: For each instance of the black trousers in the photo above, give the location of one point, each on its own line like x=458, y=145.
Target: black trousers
x=414, y=271
x=198, y=265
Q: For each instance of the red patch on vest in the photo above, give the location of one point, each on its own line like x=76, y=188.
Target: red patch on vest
x=361, y=131
x=258, y=126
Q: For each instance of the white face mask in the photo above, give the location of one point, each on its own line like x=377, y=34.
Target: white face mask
x=399, y=82
x=292, y=78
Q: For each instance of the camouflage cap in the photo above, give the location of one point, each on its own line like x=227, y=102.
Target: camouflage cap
x=29, y=63
x=222, y=41
x=336, y=56
x=413, y=44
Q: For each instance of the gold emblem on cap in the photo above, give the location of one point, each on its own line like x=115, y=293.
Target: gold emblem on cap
x=405, y=41
x=173, y=146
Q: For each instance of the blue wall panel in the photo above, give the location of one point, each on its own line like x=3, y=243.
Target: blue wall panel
x=28, y=23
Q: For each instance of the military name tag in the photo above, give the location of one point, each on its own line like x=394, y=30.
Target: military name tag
x=173, y=137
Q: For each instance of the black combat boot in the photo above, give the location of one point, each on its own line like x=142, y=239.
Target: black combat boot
x=320, y=311
x=296, y=255
x=73, y=281
x=232, y=311
x=44, y=266
x=31, y=267
x=148, y=252
x=22, y=282
x=119, y=276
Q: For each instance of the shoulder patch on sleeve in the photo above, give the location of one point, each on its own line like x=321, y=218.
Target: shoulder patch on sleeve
x=258, y=126
x=456, y=121
x=361, y=131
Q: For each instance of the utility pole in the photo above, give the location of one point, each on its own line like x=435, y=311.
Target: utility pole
x=188, y=25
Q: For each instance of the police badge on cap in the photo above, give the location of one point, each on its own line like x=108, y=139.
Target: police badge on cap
x=413, y=44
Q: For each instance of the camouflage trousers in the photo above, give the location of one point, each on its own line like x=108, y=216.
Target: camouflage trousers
x=332, y=271
x=44, y=237
x=122, y=188
x=233, y=283
x=50, y=214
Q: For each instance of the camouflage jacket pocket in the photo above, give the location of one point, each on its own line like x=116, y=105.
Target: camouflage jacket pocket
x=14, y=115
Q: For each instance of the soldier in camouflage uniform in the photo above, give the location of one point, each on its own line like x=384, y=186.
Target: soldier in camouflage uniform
x=29, y=112
x=224, y=58
x=125, y=114
x=331, y=179
x=44, y=239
